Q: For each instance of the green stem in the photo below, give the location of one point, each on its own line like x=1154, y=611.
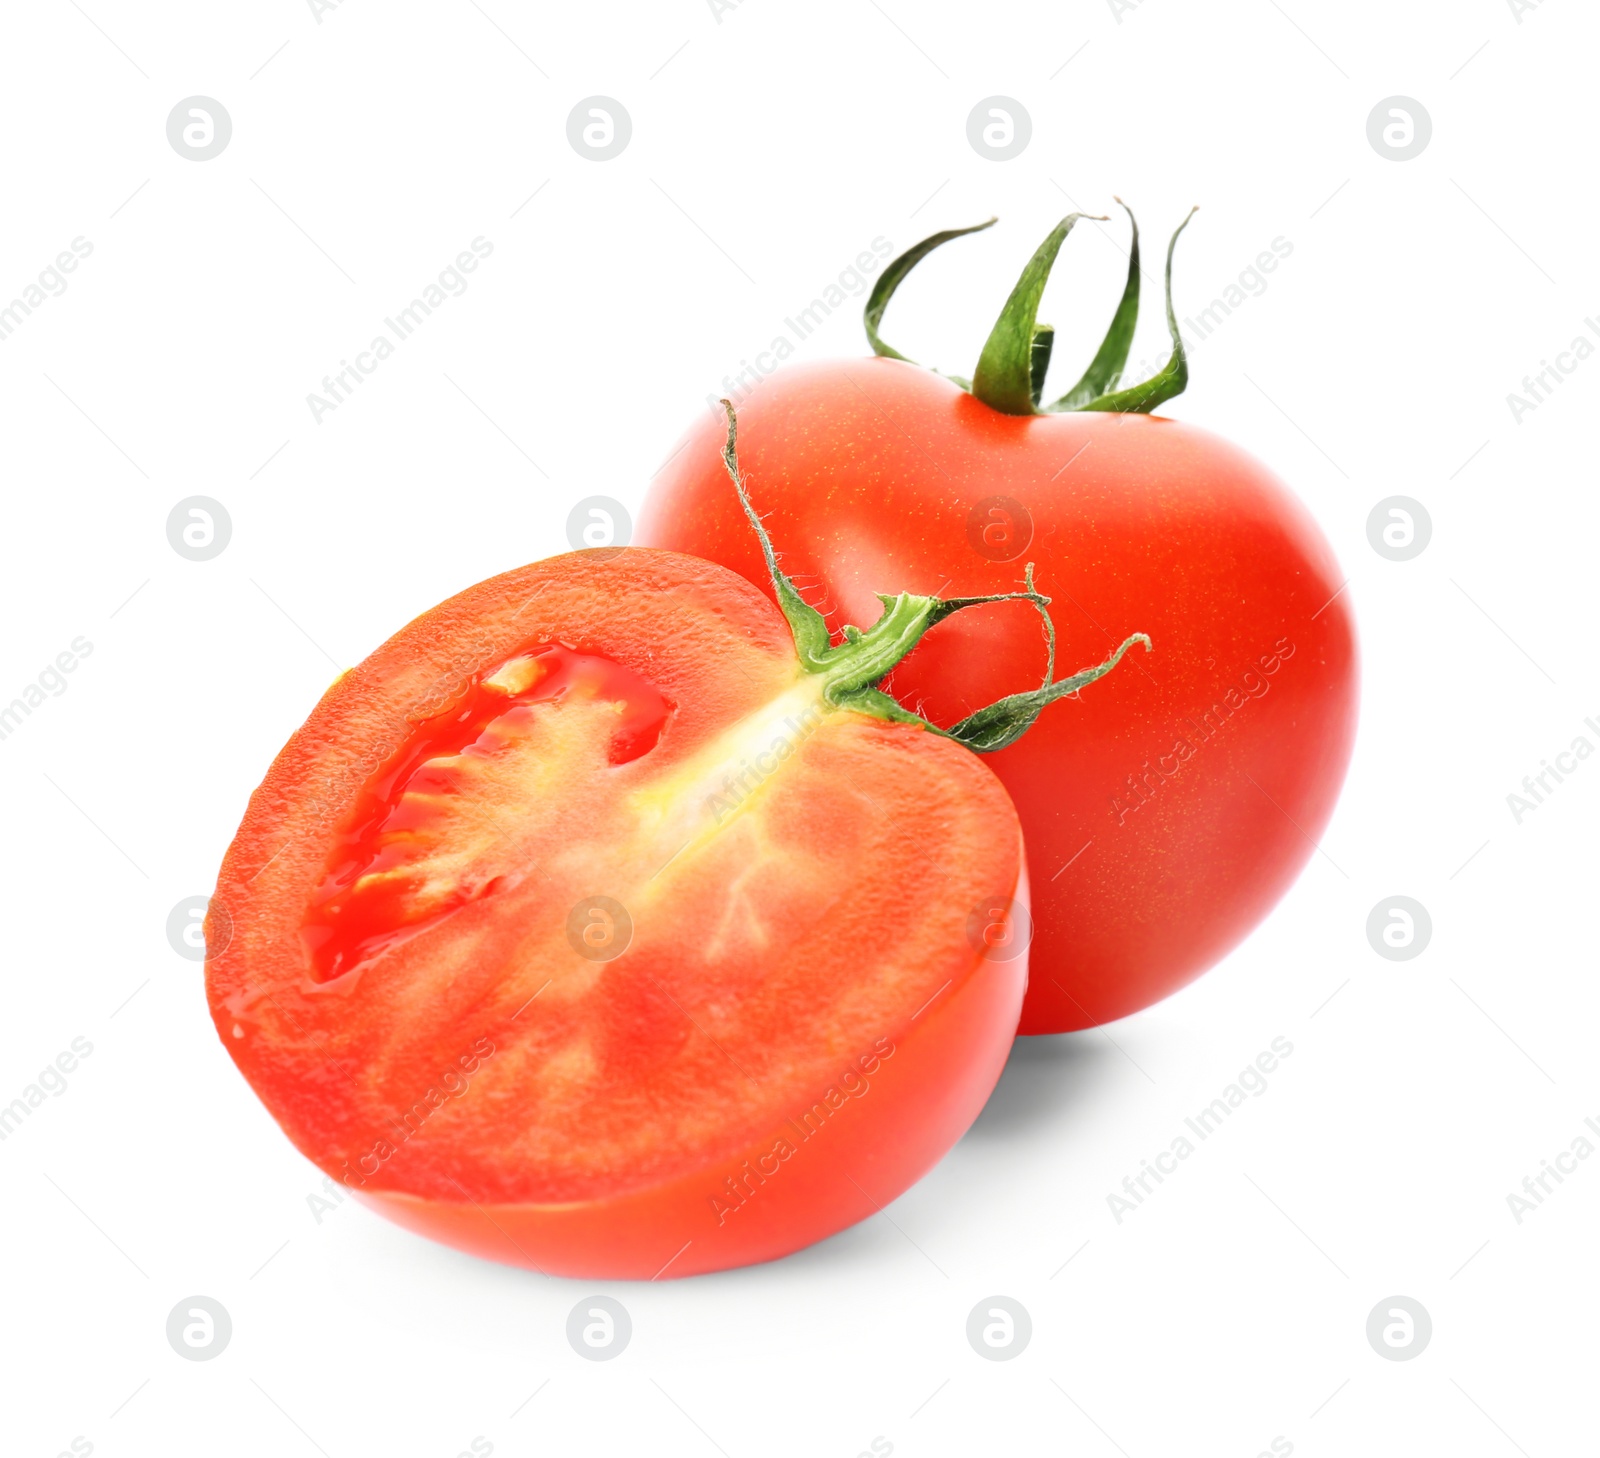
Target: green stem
x=1011, y=370
x=1006, y=720
x=1171, y=380
x=1003, y=379
x=805, y=622
x=1105, y=369
x=853, y=669
x=1044, y=340
x=892, y=278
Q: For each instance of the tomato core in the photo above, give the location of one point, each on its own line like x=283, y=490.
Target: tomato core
x=352, y=915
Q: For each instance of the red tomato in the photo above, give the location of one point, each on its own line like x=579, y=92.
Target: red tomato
x=1166, y=812
x=579, y=928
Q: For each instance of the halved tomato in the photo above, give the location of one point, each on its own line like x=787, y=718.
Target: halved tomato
x=577, y=929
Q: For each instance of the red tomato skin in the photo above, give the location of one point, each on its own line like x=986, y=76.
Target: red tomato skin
x=918, y=1103
x=867, y=472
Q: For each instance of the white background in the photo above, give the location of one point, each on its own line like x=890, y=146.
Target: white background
x=769, y=147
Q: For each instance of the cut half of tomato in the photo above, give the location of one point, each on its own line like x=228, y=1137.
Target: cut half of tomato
x=576, y=928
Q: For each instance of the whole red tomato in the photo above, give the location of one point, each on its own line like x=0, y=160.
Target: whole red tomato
x=1166, y=812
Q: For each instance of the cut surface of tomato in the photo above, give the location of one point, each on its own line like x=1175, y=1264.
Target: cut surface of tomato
x=578, y=927
x=384, y=875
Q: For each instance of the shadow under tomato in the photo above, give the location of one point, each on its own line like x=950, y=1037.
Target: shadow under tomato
x=1043, y=1077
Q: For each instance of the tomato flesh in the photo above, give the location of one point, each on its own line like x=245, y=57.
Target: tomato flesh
x=788, y=1017
x=362, y=904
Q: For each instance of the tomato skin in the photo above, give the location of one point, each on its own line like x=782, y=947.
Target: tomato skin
x=867, y=473
x=352, y=1061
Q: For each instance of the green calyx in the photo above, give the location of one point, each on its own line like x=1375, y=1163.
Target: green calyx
x=1011, y=369
x=853, y=669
